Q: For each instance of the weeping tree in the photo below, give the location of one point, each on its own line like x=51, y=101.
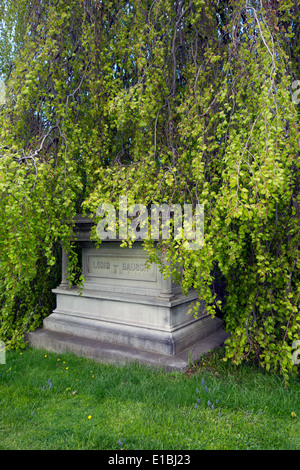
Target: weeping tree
x=159, y=101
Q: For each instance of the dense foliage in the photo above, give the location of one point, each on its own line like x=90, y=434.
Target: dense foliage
x=162, y=101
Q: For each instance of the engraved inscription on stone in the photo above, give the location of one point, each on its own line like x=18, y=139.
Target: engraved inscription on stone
x=107, y=266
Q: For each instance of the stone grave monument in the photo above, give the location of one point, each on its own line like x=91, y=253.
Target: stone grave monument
x=126, y=312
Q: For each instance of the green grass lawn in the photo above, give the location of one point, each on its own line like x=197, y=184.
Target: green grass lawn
x=60, y=401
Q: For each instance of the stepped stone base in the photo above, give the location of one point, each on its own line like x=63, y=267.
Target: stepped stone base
x=120, y=354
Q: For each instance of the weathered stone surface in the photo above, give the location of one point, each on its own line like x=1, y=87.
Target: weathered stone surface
x=121, y=354
x=125, y=307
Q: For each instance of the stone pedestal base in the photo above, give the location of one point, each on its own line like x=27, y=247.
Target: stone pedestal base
x=119, y=354
x=140, y=322
x=120, y=328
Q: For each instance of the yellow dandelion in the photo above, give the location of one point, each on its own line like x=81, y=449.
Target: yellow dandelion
x=90, y=417
x=93, y=376
x=45, y=355
x=58, y=359
x=67, y=368
x=293, y=414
